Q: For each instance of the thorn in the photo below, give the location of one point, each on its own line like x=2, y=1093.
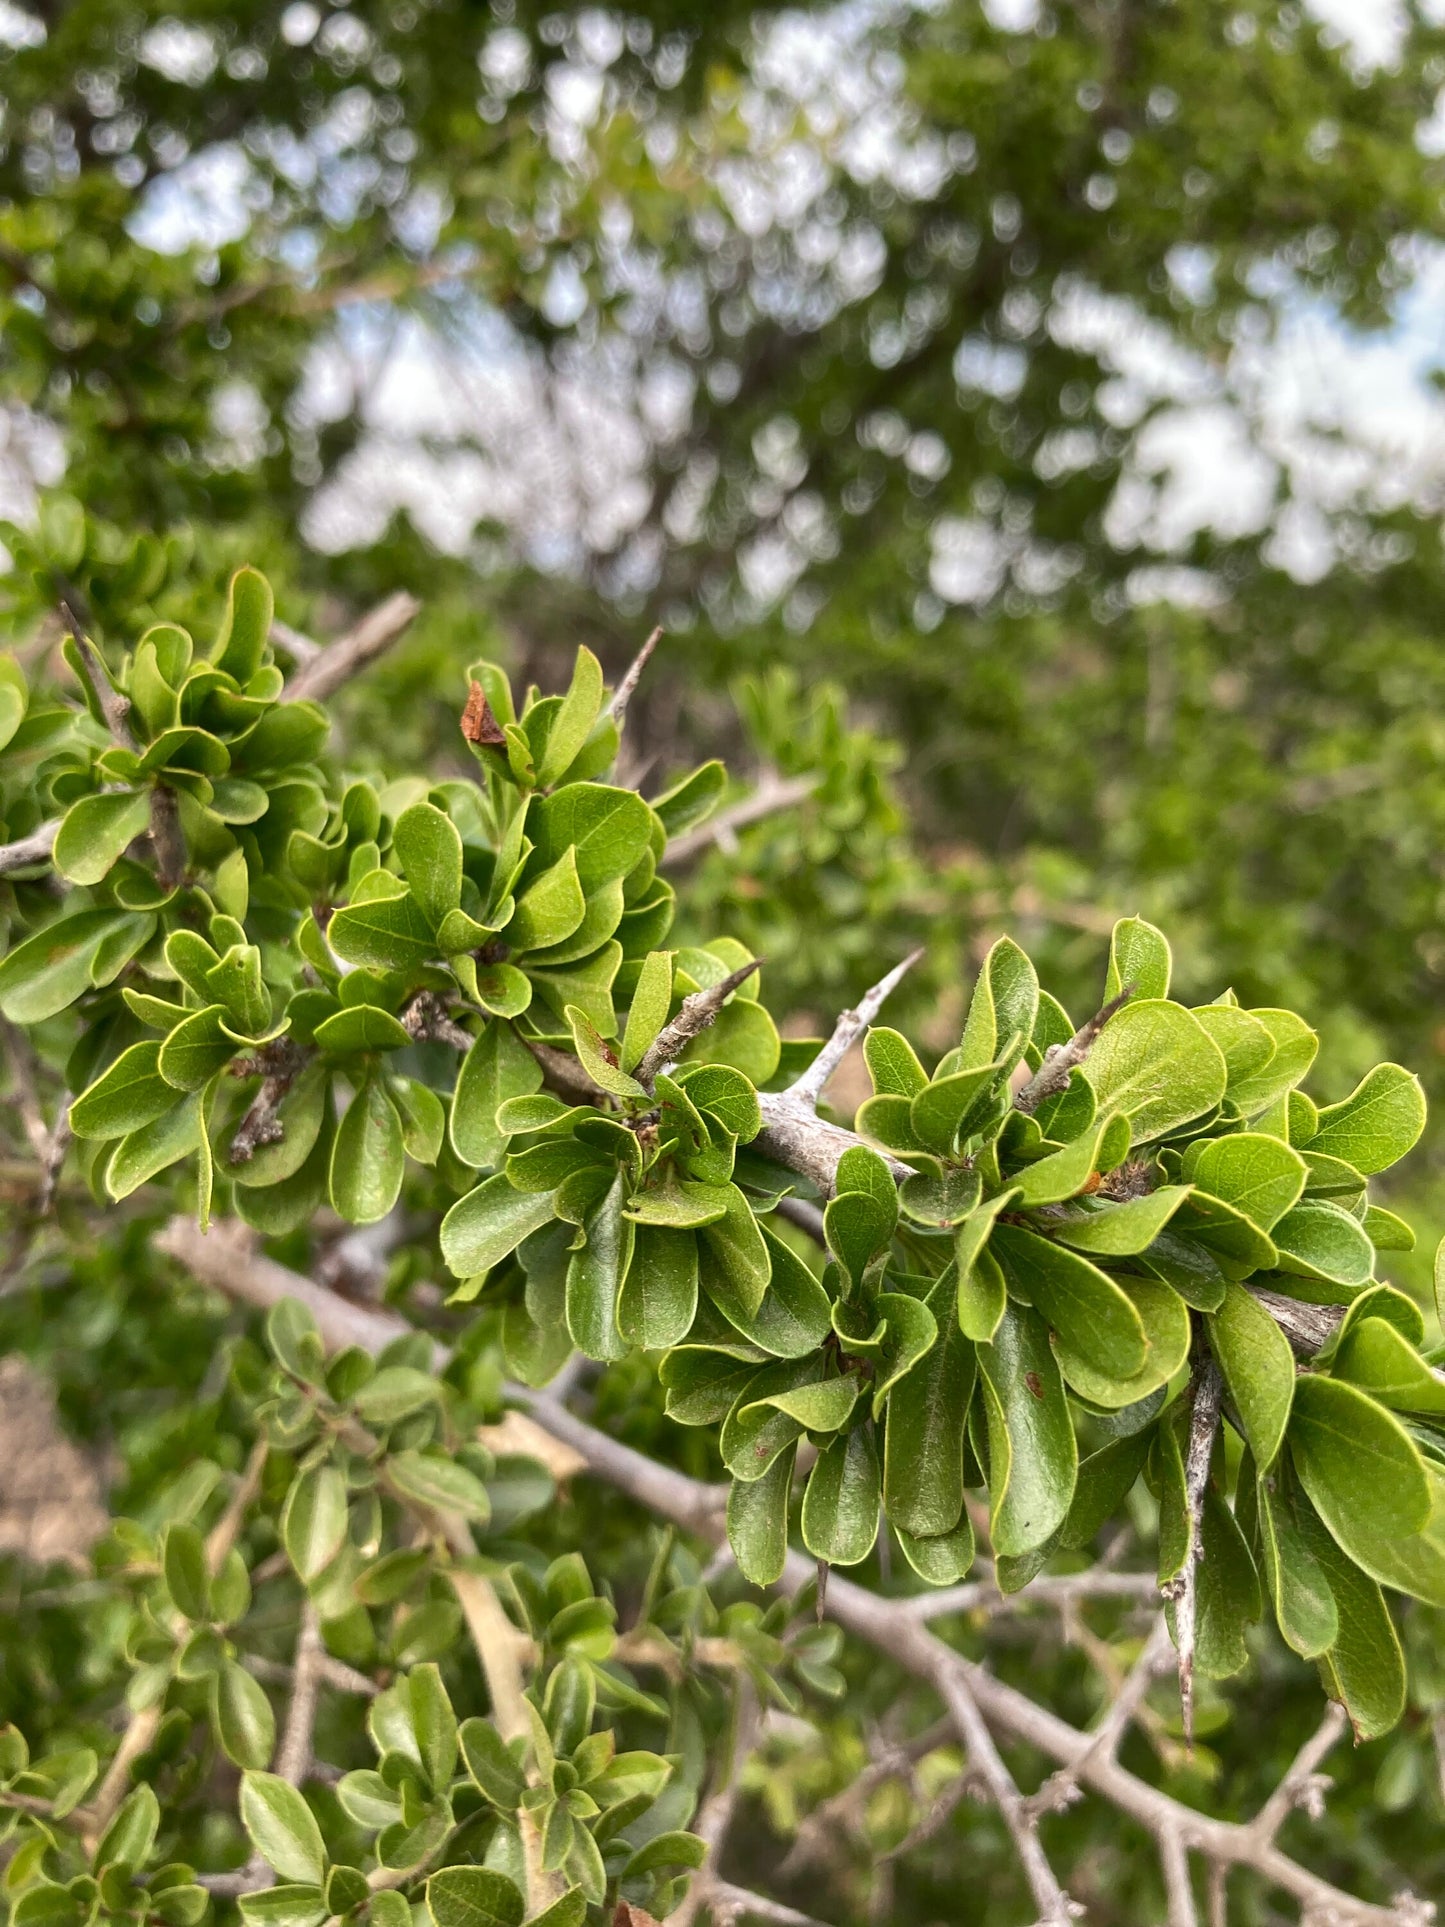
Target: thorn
x=623, y=693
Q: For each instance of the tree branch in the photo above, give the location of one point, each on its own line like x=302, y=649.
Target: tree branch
x=1184, y=1590
x=1052, y=1076
x=809, y=1087
x=793, y=1134
x=623, y=693
x=339, y=661
x=773, y=793
x=1055, y=1907
x=29, y=850
x=230, y=1263
x=293, y=1756
x=698, y=1011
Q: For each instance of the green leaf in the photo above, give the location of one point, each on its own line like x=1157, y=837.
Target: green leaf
x=1373, y=1355
x=95, y=833
x=651, y=1002
x=473, y=1897
x=282, y=1827
x=947, y=1106
x=608, y=829
x=244, y=1722
x=1033, y=1459
x=423, y=1118
x=1235, y=1243
x=440, y=1483
x=556, y=742
x=1295, y=1046
x=1054, y=1179
x=842, y=1500
x=1304, y=1605
x=1365, y=1667
x=1165, y=1319
x=490, y=1222
x=50, y=970
x=693, y=799
x=859, y=1225
x=313, y=1522
x=429, y=850
x=1244, y=1042
x=550, y=909
x=823, y=1406
x=196, y=1049
x=383, y=933
x=130, y=1093
x=1091, y=1314
x=1227, y=1595
x=1120, y=1230
x=1105, y=1480
x=1138, y=955
x=188, y=1581
x=434, y=1724
x=368, y=1157
x=1258, y=1368
x=246, y=626
x=289, y=1905
x=14, y=698
x=1356, y=1462
x=497, y=1067
x=595, y=1275
x=1156, y=1064
x=492, y=1764
x=892, y=1064
x=659, y=1292
x=735, y=1262
x=982, y=1295
x=1258, y=1175
x=927, y=1415
x=944, y=1559
x=362, y=1027
x=141, y=1154
x=131, y=1835
x=599, y=1059
x=1376, y=1124
x=758, y=1521
x=1320, y=1239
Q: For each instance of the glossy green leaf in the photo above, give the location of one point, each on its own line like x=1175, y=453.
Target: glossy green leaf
x=1356, y=1461
x=1108, y=1230
x=282, y=1827
x=1090, y=1312
x=313, y=1522
x=659, y=1293
x=595, y=1275
x=130, y=1093
x=1156, y=1064
x=368, y=1156
x=1258, y=1175
x=842, y=1502
x=1033, y=1458
x=927, y=1415
x=1258, y=1368
x=244, y=1722
x=95, y=833
x=1319, y=1239
x=1139, y=956
x=488, y=1223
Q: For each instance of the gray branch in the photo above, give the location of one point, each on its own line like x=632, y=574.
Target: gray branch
x=1052, y=1076
x=622, y=695
x=1184, y=1590
x=773, y=793
x=698, y=1011
x=29, y=850
x=324, y=673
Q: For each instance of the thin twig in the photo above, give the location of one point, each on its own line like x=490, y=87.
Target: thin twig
x=1174, y=1857
x=728, y=1904
x=1049, y=1589
x=697, y=1012
x=1062, y=1788
x=793, y=1134
x=339, y=661
x=773, y=793
x=293, y=1755
x=299, y=647
x=623, y=693
x=25, y=1070
x=716, y=1816
x=426, y=1019
x=1052, y=1076
x=809, y=1087
x=1055, y=1907
x=1184, y=1589
x=112, y=705
x=29, y=850
x=278, y=1063
x=1302, y=1785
